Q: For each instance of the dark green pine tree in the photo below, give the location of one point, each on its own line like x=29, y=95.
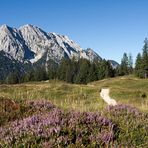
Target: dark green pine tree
x=104, y=70
x=52, y=73
x=138, y=66
x=40, y=74
x=123, y=70
x=130, y=64
x=62, y=69
x=145, y=59
x=26, y=77
x=101, y=68
x=83, y=71
x=92, y=75
x=69, y=72
x=73, y=70
x=12, y=78
x=109, y=72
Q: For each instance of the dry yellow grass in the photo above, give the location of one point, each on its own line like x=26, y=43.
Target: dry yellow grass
x=128, y=90
x=67, y=96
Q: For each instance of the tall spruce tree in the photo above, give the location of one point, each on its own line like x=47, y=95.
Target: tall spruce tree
x=109, y=70
x=92, y=75
x=12, y=78
x=62, y=70
x=138, y=66
x=141, y=65
x=83, y=71
x=123, y=70
x=145, y=58
x=130, y=64
x=104, y=69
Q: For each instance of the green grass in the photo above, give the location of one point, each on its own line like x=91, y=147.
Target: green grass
x=67, y=96
x=128, y=90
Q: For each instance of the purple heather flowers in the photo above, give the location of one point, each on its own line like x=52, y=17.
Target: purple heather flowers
x=49, y=126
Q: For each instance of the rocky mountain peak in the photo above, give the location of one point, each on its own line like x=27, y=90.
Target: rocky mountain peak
x=31, y=43
x=4, y=27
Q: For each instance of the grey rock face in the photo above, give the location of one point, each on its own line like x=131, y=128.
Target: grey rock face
x=30, y=44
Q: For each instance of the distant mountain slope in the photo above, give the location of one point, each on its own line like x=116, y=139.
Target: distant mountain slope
x=9, y=65
x=30, y=43
x=114, y=64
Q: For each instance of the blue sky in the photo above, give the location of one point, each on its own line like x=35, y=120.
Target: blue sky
x=110, y=27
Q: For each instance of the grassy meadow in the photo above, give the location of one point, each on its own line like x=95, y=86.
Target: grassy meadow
x=127, y=90
x=57, y=114
x=67, y=96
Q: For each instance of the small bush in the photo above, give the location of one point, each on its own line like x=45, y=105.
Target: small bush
x=143, y=95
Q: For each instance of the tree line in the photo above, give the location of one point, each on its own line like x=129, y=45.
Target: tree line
x=70, y=70
x=141, y=64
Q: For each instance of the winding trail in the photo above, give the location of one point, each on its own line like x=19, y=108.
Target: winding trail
x=105, y=96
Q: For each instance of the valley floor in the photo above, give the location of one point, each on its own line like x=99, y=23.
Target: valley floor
x=128, y=90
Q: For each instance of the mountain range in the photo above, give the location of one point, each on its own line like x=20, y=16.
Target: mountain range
x=30, y=45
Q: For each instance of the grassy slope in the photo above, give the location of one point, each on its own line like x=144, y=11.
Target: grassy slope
x=67, y=96
x=127, y=90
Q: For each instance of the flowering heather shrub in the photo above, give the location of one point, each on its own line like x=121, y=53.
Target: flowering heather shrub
x=132, y=125
x=44, y=125
x=57, y=128
x=123, y=109
x=25, y=109
x=8, y=110
x=8, y=105
x=40, y=105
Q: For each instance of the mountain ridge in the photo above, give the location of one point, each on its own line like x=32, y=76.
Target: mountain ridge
x=30, y=43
